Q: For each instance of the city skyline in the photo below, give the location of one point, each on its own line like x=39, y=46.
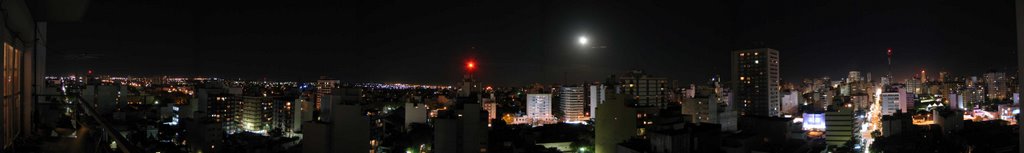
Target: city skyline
x=729, y=76
x=684, y=41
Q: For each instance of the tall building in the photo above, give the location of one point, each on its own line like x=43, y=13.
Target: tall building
x=220, y=107
x=104, y=97
x=943, y=76
x=336, y=95
x=885, y=80
x=996, y=85
x=596, y=97
x=281, y=114
x=414, y=113
x=651, y=93
x=299, y=109
x=914, y=86
x=955, y=101
x=906, y=100
x=888, y=74
x=492, y=109
x=790, y=102
x=839, y=126
x=308, y=107
x=896, y=99
x=890, y=102
x=756, y=81
x=462, y=130
x=538, y=107
x=324, y=86
x=867, y=77
x=1020, y=64
x=347, y=130
x=572, y=105
x=709, y=107
x=616, y=122
x=463, y=127
x=924, y=76
x=256, y=113
x=204, y=134
x=854, y=76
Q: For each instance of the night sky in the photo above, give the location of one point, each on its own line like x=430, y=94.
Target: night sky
x=521, y=42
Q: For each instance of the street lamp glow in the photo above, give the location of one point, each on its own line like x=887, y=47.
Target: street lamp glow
x=583, y=40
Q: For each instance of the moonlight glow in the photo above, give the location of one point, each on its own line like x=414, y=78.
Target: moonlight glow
x=583, y=40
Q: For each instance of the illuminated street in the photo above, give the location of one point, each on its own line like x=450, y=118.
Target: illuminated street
x=874, y=122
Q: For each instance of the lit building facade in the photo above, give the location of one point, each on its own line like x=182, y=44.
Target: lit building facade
x=256, y=114
x=890, y=102
x=790, y=102
x=282, y=114
x=854, y=76
x=538, y=107
x=492, y=109
x=756, y=82
x=914, y=86
x=595, y=97
x=324, y=86
x=896, y=99
x=996, y=85
x=572, y=105
x=220, y=107
x=710, y=108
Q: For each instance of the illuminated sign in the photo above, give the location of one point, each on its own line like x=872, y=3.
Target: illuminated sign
x=814, y=121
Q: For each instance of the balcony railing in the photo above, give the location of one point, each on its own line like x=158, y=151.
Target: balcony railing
x=122, y=143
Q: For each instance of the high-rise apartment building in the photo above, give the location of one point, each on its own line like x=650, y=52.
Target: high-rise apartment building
x=914, y=86
x=839, y=125
x=943, y=76
x=346, y=130
x=572, y=105
x=895, y=99
x=756, y=81
x=709, y=107
x=651, y=93
x=854, y=76
x=324, y=86
x=996, y=85
x=790, y=102
x=924, y=76
x=596, y=97
x=256, y=113
x=538, y=107
x=219, y=106
x=492, y=109
x=616, y=122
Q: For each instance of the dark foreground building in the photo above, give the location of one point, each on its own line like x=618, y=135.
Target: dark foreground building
x=24, y=58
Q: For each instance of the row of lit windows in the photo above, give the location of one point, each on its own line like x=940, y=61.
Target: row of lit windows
x=12, y=92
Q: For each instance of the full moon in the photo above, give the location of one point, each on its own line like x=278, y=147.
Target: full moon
x=583, y=40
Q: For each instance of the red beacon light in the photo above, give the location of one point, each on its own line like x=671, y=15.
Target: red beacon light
x=470, y=65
